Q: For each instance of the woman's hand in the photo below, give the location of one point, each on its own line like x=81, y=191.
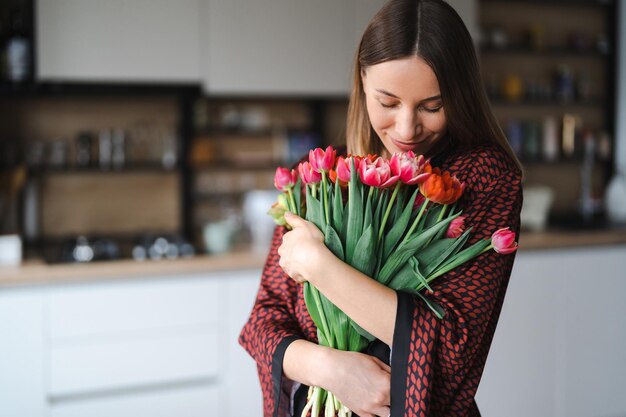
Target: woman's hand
x=361, y=382
x=302, y=248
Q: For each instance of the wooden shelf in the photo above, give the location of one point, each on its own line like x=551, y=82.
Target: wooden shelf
x=545, y=52
x=578, y=3
x=550, y=103
x=148, y=167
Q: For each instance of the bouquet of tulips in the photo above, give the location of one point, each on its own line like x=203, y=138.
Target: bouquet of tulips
x=394, y=220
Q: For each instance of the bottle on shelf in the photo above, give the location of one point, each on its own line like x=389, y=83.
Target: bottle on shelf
x=18, y=49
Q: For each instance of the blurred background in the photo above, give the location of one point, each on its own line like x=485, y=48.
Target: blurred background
x=138, y=144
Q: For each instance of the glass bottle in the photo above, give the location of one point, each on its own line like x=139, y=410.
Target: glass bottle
x=18, y=50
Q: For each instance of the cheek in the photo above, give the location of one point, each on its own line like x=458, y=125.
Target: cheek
x=436, y=122
x=379, y=117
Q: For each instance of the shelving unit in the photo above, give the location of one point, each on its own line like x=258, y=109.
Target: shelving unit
x=551, y=59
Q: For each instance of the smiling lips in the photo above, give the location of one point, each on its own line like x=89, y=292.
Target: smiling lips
x=407, y=146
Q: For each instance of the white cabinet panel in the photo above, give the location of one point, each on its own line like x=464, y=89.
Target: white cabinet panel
x=559, y=347
x=240, y=376
x=180, y=402
x=140, y=361
x=277, y=46
x=22, y=385
x=117, y=40
x=118, y=307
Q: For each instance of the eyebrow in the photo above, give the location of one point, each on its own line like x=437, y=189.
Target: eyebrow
x=387, y=93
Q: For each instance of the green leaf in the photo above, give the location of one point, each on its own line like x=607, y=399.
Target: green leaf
x=312, y=306
x=356, y=342
x=401, y=255
x=333, y=242
x=404, y=278
x=361, y=331
x=297, y=195
x=441, y=251
x=355, y=213
x=338, y=209
x=460, y=258
x=364, y=258
x=434, y=306
x=422, y=283
x=314, y=213
x=368, y=215
x=399, y=227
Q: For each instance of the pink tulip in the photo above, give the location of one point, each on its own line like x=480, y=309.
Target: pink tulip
x=419, y=200
x=503, y=241
x=285, y=179
x=377, y=173
x=343, y=167
x=307, y=174
x=456, y=227
x=409, y=167
x=322, y=160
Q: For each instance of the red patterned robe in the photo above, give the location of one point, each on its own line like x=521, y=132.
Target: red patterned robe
x=436, y=364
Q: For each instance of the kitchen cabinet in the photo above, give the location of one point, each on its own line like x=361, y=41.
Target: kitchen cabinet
x=277, y=47
x=559, y=346
x=117, y=41
x=22, y=354
x=159, y=346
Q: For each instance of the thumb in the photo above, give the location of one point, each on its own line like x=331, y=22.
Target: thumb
x=293, y=219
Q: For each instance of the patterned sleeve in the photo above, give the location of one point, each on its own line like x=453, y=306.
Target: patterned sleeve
x=437, y=364
x=272, y=326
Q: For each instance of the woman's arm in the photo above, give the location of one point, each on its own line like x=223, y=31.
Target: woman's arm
x=366, y=301
x=361, y=382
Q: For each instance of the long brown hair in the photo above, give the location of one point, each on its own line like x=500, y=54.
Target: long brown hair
x=433, y=31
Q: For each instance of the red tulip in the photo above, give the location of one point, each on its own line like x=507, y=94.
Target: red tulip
x=441, y=188
x=307, y=174
x=503, y=241
x=322, y=160
x=456, y=227
x=285, y=179
x=409, y=167
x=377, y=173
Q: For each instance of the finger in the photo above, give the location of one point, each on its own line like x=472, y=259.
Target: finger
x=293, y=219
x=382, y=364
x=384, y=412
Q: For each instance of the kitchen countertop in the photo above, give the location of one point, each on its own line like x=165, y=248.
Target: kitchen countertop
x=38, y=272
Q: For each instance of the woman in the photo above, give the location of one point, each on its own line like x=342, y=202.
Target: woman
x=416, y=87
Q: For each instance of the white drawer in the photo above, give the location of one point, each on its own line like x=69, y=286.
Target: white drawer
x=117, y=307
x=98, y=366
x=198, y=401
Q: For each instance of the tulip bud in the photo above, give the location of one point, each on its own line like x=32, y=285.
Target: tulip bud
x=322, y=160
x=456, y=227
x=307, y=174
x=285, y=179
x=503, y=241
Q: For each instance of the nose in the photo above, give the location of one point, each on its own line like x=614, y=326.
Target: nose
x=407, y=125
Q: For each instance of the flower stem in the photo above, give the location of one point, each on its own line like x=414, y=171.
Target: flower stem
x=292, y=202
x=488, y=248
x=384, y=222
x=415, y=223
x=325, y=197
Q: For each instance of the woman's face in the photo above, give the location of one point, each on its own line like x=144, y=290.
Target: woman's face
x=404, y=104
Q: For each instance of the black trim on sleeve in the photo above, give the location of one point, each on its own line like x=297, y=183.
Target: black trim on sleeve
x=277, y=369
x=400, y=352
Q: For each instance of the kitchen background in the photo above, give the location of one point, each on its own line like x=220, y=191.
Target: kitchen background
x=137, y=131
